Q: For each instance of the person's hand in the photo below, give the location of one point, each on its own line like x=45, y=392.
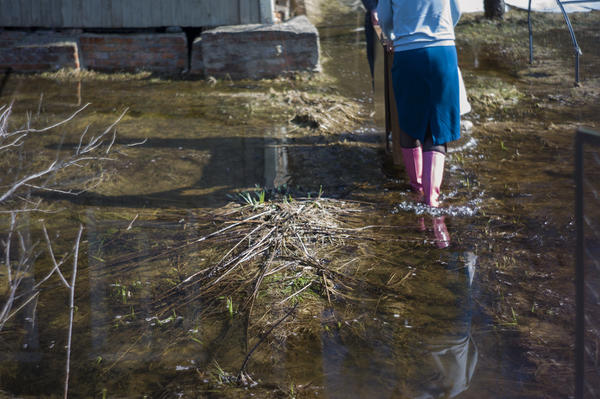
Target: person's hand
x=388, y=45
x=374, y=18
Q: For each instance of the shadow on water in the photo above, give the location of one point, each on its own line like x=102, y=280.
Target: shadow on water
x=236, y=164
x=4, y=80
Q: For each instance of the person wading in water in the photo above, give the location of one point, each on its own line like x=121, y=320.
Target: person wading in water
x=425, y=78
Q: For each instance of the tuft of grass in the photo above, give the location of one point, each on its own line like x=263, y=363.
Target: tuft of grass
x=256, y=200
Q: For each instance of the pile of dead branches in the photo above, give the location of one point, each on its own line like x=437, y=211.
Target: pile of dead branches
x=275, y=244
x=279, y=259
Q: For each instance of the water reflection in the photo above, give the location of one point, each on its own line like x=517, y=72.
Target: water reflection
x=440, y=231
x=383, y=365
x=276, y=160
x=451, y=359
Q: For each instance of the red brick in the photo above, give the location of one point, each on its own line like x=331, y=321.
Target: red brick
x=153, y=52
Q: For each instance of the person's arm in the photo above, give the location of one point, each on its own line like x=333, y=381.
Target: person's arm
x=384, y=14
x=455, y=11
x=370, y=5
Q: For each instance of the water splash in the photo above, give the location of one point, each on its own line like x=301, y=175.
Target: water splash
x=470, y=144
x=470, y=209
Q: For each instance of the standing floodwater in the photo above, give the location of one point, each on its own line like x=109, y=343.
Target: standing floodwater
x=329, y=280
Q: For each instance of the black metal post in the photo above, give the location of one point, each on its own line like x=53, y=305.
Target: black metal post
x=530, y=33
x=573, y=39
x=579, y=271
x=583, y=139
x=577, y=54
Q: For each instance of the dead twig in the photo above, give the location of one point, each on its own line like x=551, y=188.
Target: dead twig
x=261, y=340
x=295, y=293
x=72, y=308
x=29, y=130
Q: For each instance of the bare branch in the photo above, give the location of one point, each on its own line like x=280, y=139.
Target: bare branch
x=139, y=143
x=112, y=142
x=54, y=262
x=131, y=224
x=27, y=179
x=95, y=142
x=7, y=247
x=296, y=293
x=14, y=312
x=15, y=143
x=72, y=309
x=4, y=118
x=13, y=283
x=81, y=139
x=55, y=190
x=29, y=130
x=265, y=335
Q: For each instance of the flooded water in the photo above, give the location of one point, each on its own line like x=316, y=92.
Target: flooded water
x=482, y=299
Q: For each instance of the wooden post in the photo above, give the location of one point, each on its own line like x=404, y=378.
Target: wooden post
x=391, y=112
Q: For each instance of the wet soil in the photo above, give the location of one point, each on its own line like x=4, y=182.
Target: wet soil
x=491, y=315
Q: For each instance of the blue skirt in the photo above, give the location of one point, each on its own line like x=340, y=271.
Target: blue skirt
x=426, y=91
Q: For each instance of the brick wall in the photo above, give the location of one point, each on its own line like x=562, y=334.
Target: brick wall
x=34, y=52
x=165, y=53
x=240, y=51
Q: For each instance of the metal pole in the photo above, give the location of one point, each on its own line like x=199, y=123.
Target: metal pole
x=579, y=272
x=530, y=33
x=573, y=39
x=577, y=53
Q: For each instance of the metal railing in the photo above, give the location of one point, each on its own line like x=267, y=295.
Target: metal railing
x=587, y=269
x=576, y=47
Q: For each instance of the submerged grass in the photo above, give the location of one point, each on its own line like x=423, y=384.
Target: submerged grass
x=308, y=102
x=268, y=272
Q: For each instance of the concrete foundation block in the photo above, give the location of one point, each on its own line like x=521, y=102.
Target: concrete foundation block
x=261, y=51
x=37, y=52
x=160, y=52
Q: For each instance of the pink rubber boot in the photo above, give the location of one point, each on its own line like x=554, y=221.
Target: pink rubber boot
x=413, y=163
x=440, y=232
x=433, y=172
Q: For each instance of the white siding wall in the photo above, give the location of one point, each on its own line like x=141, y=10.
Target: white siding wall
x=133, y=13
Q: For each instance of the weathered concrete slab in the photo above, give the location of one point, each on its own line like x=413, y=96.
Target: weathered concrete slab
x=261, y=51
x=37, y=52
x=164, y=53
